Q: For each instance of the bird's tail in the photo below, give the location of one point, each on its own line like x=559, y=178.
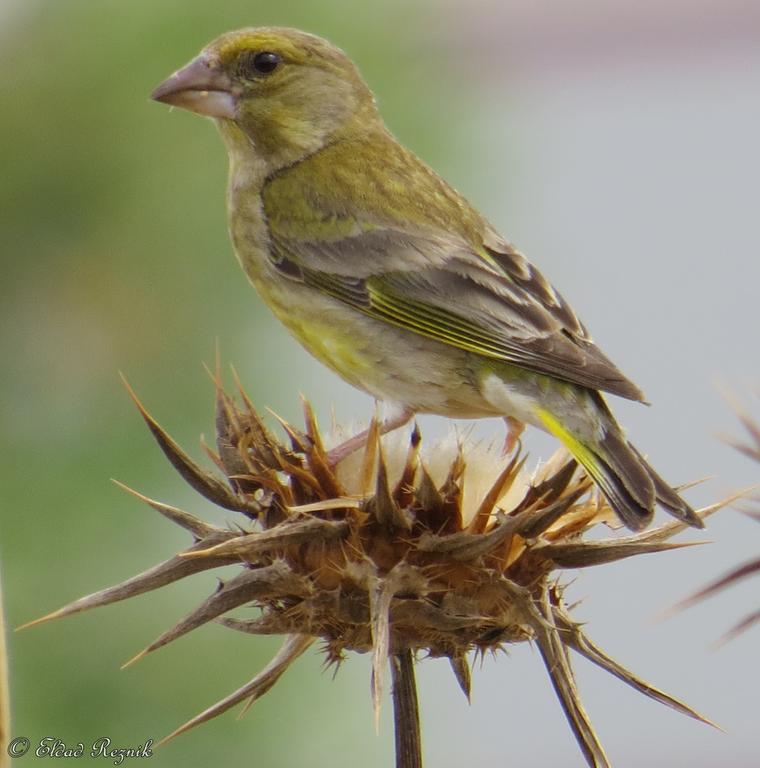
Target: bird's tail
x=631, y=486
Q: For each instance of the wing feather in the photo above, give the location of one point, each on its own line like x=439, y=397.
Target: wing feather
x=480, y=294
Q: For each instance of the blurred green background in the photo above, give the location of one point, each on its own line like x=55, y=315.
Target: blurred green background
x=115, y=258
x=617, y=147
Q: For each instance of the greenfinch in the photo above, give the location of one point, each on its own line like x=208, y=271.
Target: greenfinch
x=389, y=276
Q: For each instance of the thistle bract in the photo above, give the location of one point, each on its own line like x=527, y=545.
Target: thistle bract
x=448, y=550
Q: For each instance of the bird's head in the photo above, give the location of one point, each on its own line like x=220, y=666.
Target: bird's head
x=285, y=92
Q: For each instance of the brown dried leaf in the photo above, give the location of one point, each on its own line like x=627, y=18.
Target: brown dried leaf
x=483, y=516
x=403, y=493
x=583, y=554
x=753, y=430
x=287, y=534
x=275, y=580
x=379, y=606
x=369, y=458
x=401, y=578
x=269, y=623
x=203, y=482
x=737, y=629
x=535, y=521
x=573, y=636
x=452, y=492
x=465, y=546
x=422, y=614
x=173, y=569
x=673, y=527
x=560, y=671
x=733, y=576
x=199, y=528
x=291, y=649
x=381, y=505
x=312, y=428
x=427, y=494
x=550, y=489
x=461, y=669
x=298, y=440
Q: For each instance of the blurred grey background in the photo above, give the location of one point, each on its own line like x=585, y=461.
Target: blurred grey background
x=615, y=143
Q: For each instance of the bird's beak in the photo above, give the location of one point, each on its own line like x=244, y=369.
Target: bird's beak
x=200, y=86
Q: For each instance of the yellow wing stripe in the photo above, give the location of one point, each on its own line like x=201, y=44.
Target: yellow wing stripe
x=436, y=324
x=584, y=455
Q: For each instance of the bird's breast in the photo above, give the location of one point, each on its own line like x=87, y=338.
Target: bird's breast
x=388, y=362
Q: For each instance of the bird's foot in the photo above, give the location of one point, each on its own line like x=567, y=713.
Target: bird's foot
x=514, y=430
x=353, y=444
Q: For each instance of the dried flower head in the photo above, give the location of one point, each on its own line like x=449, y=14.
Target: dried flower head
x=392, y=551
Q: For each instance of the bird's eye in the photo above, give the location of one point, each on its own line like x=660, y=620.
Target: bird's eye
x=262, y=63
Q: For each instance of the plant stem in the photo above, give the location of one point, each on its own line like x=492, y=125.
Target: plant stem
x=406, y=714
x=5, y=705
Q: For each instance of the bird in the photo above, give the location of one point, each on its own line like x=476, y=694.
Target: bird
x=389, y=276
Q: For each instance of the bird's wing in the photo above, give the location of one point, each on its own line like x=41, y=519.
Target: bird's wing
x=490, y=301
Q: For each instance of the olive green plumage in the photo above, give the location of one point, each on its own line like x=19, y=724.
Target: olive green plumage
x=386, y=274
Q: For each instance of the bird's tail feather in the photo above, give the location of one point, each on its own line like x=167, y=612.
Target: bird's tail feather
x=667, y=497
x=630, y=484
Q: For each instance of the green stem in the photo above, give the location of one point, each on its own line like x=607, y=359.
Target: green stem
x=5, y=702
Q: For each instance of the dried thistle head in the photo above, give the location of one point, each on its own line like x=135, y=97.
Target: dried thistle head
x=448, y=553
